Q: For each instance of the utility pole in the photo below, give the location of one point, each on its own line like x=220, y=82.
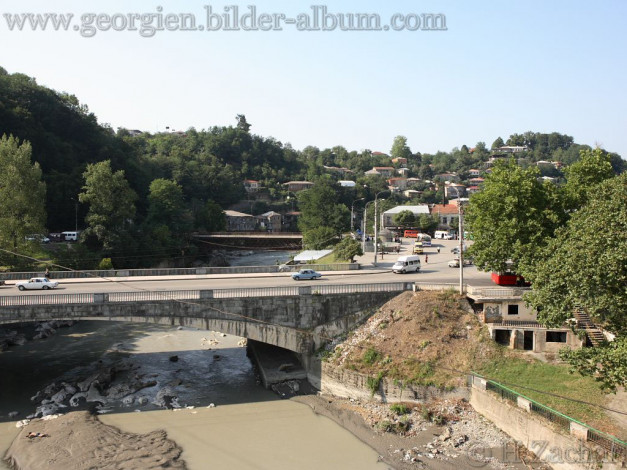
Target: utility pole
x=376, y=235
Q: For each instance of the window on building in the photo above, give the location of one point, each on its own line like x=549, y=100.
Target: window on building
x=555, y=336
x=512, y=309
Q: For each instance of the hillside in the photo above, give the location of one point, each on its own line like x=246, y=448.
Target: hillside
x=422, y=338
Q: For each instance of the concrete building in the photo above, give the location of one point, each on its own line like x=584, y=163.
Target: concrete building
x=270, y=221
x=240, y=222
x=513, y=324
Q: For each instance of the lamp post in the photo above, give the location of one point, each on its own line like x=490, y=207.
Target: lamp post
x=375, y=226
x=461, y=239
x=363, y=235
x=352, y=207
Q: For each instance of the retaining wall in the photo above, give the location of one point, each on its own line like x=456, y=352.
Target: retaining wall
x=562, y=451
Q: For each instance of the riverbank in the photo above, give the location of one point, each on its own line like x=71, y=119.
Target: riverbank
x=78, y=440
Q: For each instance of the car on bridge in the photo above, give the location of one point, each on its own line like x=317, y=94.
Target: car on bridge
x=304, y=274
x=37, y=283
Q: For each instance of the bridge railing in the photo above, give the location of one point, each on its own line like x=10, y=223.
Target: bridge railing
x=164, y=296
x=46, y=299
x=113, y=273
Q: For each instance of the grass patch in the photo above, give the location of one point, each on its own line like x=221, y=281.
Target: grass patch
x=329, y=259
x=517, y=374
x=371, y=356
x=399, y=409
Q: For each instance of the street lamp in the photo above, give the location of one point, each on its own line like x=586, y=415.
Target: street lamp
x=363, y=235
x=375, y=225
x=352, y=206
x=461, y=239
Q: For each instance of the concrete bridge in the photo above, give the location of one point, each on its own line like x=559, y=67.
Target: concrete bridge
x=297, y=318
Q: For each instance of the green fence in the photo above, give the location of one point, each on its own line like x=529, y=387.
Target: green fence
x=616, y=448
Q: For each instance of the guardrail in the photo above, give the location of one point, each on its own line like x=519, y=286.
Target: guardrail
x=116, y=273
x=161, y=296
x=616, y=447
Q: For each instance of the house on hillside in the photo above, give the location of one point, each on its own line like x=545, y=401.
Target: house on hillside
x=384, y=171
x=401, y=161
x=454, y=190
x=251, y=186
x=397, y=183
x=473, y=172
x=513, y=324
x=240, y=222
x=296, y=186
x=271, y=221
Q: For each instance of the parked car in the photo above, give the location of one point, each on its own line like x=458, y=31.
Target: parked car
x=304, y=274
x=37, y=237
x=455, y=249
x=454, y=263
x=37, y=283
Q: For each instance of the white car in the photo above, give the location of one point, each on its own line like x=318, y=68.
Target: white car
x=37, y=283
x=454, y=263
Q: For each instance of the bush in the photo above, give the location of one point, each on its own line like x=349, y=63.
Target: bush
x=105, y=264
x=374, y=383
x=371, y=356
x=399, y=409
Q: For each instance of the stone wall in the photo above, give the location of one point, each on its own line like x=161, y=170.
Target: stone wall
x=345, y=383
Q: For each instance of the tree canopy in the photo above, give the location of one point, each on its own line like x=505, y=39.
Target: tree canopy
x=512, y=216
x=585, y=265
x=111, y=204
x=22, y=193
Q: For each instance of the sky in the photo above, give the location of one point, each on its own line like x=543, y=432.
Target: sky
x=499, y=67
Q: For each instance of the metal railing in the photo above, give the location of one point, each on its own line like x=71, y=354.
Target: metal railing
x=54, y=299
x=255, y=292
x=156, y=296
x=152, y=296
x=616, y=447
x=502, y=391
x=117, y=273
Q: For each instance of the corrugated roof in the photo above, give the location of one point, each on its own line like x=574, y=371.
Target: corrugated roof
x=421, y=209
x=309, y=255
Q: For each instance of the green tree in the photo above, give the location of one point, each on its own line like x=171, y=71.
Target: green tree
x=242, y=123
x=512, y=216
x=320, y=208
x=166, y=206
x=497, y=143
x=586, y=265
x=22, y=193
x=428, y=223
x=347, y=249
x=593, y=167
x=405, y=219
x=319, y=238
x=400, y=149
x=111, y=204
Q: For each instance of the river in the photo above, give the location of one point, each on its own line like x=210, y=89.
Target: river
x=249, y=427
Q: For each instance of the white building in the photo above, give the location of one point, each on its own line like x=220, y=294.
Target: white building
x=387, y=218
